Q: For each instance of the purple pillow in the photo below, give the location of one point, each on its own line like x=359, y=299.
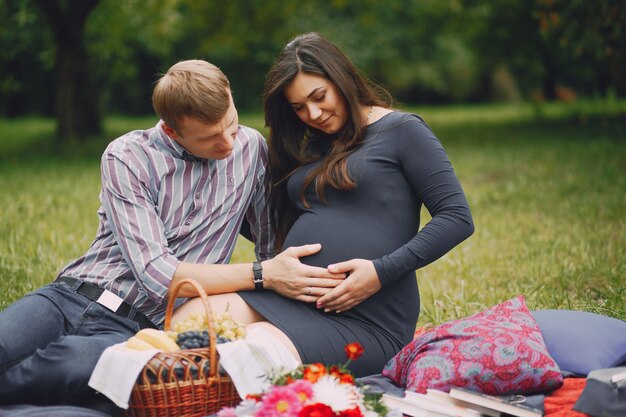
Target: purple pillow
x=498, y=351
x=581, y=342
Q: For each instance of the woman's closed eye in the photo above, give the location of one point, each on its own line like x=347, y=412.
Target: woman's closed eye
x=320, y=98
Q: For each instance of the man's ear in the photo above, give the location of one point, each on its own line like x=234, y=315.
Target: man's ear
x=169, y=131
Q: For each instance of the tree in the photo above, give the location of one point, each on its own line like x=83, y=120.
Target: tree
x=26, y=71
x=592, y=33
x=553, y=42
x=89, y=55
x=404, y=45
x=77, y=94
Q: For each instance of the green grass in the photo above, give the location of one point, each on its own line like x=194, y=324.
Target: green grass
x=546, y=184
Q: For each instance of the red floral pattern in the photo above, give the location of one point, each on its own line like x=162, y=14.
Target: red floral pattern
x=498, y=351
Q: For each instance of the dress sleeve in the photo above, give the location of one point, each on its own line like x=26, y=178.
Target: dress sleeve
x=136, y=226
x=258, y=214
x=425, y=164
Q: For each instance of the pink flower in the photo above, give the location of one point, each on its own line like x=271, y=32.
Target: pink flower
x=281, y=401
x=303, y=388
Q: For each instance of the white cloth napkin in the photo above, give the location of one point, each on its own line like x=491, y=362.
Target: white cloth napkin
x=117, y=370
x=251, y=362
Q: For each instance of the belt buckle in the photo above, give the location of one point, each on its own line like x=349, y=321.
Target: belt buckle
x=110, y=300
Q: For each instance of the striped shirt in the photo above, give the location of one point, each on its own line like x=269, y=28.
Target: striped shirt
x=160, y=205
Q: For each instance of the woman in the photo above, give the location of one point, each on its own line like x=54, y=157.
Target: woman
x=351, y=174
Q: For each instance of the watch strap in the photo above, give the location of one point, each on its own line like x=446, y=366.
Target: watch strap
x=257, y=274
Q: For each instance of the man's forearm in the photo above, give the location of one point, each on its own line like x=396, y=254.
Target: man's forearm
x=215, y=279
x=284, y=274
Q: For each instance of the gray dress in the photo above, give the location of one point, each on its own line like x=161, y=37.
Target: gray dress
x=400, y=166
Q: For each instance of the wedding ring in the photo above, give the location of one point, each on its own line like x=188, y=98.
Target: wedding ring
x=308, y=290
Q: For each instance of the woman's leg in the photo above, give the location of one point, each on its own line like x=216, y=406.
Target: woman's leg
x=279, y=335
x=240, y=311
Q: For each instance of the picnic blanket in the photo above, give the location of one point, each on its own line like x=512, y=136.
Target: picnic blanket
x=560, y=402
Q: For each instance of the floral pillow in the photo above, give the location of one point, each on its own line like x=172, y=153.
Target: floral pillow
x=499, y=351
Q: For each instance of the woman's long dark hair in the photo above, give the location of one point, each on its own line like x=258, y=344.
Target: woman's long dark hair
x=289, y=136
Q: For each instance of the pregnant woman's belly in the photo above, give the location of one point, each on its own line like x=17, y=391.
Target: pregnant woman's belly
x=343, y=235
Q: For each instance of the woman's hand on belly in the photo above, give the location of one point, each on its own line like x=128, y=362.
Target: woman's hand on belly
x=361, y=283
x=289, y=277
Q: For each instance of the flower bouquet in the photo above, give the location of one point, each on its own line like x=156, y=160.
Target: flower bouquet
x=314, y=390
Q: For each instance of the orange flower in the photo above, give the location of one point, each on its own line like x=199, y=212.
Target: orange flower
x=354, y=350
x=343, y=377
x=313, y=372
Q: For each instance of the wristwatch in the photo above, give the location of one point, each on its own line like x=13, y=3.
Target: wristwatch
x=257, y=274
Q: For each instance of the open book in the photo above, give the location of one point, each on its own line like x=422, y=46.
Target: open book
x=513, y=404
x=435, y=404
x=409, y=408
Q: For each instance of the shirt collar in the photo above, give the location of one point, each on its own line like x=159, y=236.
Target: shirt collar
x=173, y=147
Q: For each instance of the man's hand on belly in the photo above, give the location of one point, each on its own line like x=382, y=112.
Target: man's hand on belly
x=361, y=283
x=289, y=277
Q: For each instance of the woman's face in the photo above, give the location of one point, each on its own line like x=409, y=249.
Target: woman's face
x=317, y=102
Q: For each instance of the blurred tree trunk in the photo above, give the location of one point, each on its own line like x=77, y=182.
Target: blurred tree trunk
x=550, y=78
x=77, y=94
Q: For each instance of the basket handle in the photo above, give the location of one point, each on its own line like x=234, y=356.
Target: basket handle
x=171, y=301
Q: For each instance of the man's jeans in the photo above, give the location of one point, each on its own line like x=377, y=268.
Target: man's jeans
x=50, y=342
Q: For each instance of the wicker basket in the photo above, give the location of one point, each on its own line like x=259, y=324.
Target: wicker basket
x=184, y=383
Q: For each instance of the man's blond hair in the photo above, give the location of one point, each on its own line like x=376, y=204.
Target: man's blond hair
x=192, y=88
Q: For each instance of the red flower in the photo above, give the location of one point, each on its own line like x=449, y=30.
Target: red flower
x=354, y=350
x=313, y=372
x=346, y=379
x=335, y=371
x=317, y=410
x=255, y=397
x=351, y=412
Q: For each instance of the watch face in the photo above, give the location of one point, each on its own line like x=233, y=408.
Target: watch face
x=257, y=275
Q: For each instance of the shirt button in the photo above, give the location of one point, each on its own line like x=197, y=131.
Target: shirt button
x=198, y=196
x=186, y=223
x=231, y=180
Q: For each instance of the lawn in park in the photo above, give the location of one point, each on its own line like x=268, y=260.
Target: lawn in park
x=546, y=184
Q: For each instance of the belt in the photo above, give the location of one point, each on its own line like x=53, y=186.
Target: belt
x=108, y=300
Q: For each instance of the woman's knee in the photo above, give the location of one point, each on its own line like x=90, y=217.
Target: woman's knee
x=278, y=335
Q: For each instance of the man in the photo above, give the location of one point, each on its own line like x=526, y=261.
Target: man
x=174, y=198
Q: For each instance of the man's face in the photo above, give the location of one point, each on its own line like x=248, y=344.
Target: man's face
x=207, y=140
